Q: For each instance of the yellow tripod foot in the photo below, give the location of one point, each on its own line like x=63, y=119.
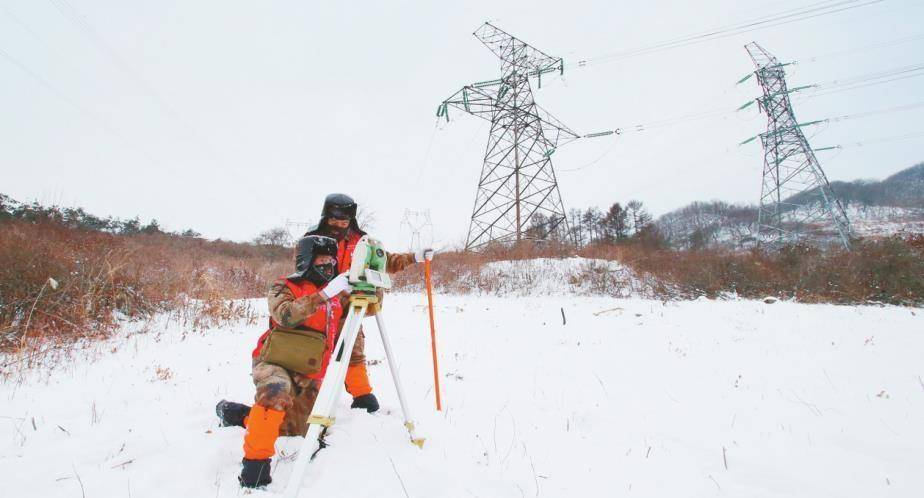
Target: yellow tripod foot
x=419, y=441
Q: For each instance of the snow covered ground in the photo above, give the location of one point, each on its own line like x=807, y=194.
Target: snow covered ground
x=884, y=221
x=566, y=276
x=630, y=398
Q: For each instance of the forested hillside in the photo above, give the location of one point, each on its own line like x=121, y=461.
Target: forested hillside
x=875, y=208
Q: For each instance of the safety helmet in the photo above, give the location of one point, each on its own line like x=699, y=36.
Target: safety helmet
x=340, y=206
x=306, y=250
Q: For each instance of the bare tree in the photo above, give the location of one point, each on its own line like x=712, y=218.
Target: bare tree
x=639, y=217
x=365, y=217
x=278, y=236
x=577, y=227
x=591, y=222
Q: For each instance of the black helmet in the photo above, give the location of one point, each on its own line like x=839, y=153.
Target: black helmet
x=306, y=250
x=339, y=206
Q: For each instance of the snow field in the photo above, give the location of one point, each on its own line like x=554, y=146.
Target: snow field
x=630, y=398
x=566, y=276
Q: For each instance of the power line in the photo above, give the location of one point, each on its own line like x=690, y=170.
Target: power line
x=96, y=118
x=874, y=75
x=834, y=86
x=865, y=48
x=858, y=115
x=855, y=86
x=722, y=112
x=877, y=112
x=25, y=27
x=843, y=84
x=688, y=38
x=593, y=162
x=892, y=138
x=781, y=18
x=77, y=19
x=850, y=83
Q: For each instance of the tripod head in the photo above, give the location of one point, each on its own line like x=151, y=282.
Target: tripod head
x=367, y=271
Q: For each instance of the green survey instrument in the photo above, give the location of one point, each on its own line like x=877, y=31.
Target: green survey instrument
x=367, y=271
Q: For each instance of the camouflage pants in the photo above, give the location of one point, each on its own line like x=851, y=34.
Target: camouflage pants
x=282, y=390
x=358, y=355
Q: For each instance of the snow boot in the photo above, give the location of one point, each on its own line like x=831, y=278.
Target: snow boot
x=231, y=413
x=255, y=473
x=366, y=402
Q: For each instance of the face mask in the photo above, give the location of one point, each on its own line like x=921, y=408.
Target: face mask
x=336, y=232
x=321, y=274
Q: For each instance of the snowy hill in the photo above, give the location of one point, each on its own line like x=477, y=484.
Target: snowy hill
x=630, y=397
x=720, y=224
x=892, y=206
x=882, y=221
x=903, y=189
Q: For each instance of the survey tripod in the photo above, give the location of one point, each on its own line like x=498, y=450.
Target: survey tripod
x=367, y=273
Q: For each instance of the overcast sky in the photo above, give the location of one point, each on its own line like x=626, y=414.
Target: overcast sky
x=232, y=117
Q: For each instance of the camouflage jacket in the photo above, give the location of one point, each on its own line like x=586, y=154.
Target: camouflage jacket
x=288, y=311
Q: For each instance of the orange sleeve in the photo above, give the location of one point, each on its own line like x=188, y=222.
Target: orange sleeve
x=399, y=261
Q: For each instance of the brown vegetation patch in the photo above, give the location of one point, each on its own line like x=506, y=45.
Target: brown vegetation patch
x=889, y=270
x=101, y=277
x=885, y=270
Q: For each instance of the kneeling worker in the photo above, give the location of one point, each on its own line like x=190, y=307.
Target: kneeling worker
x=304, y=304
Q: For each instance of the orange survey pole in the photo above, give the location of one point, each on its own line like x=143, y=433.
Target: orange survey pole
x=436, y=373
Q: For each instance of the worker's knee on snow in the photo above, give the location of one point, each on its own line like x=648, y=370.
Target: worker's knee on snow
x=296, y=421
x=275, y=395
x=274, y=386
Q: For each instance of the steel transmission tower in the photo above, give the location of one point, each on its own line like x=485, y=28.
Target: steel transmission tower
x=517, y=184
x=796, y=199
x=418, y=222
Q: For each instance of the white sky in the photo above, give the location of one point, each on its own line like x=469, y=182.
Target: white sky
x=232, y=116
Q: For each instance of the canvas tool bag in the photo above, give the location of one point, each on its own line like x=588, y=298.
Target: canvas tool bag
x=297, y=350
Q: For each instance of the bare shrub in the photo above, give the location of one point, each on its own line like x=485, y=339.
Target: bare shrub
x=461, y=272
x=162, y=374
x=105, y=277
x=889, y=270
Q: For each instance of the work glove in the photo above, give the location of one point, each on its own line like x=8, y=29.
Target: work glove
x=339, y=284
x=425, y=254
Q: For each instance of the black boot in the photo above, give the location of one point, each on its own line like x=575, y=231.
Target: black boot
x=367, y=402
x=231, y=413
x=255, y=473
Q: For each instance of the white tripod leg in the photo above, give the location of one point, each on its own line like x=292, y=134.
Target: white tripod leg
x=393, y=366
x=322, y=413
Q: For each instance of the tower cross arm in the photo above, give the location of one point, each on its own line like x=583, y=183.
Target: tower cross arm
x=516, y=52
x=478, y=99
x=556, y=132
